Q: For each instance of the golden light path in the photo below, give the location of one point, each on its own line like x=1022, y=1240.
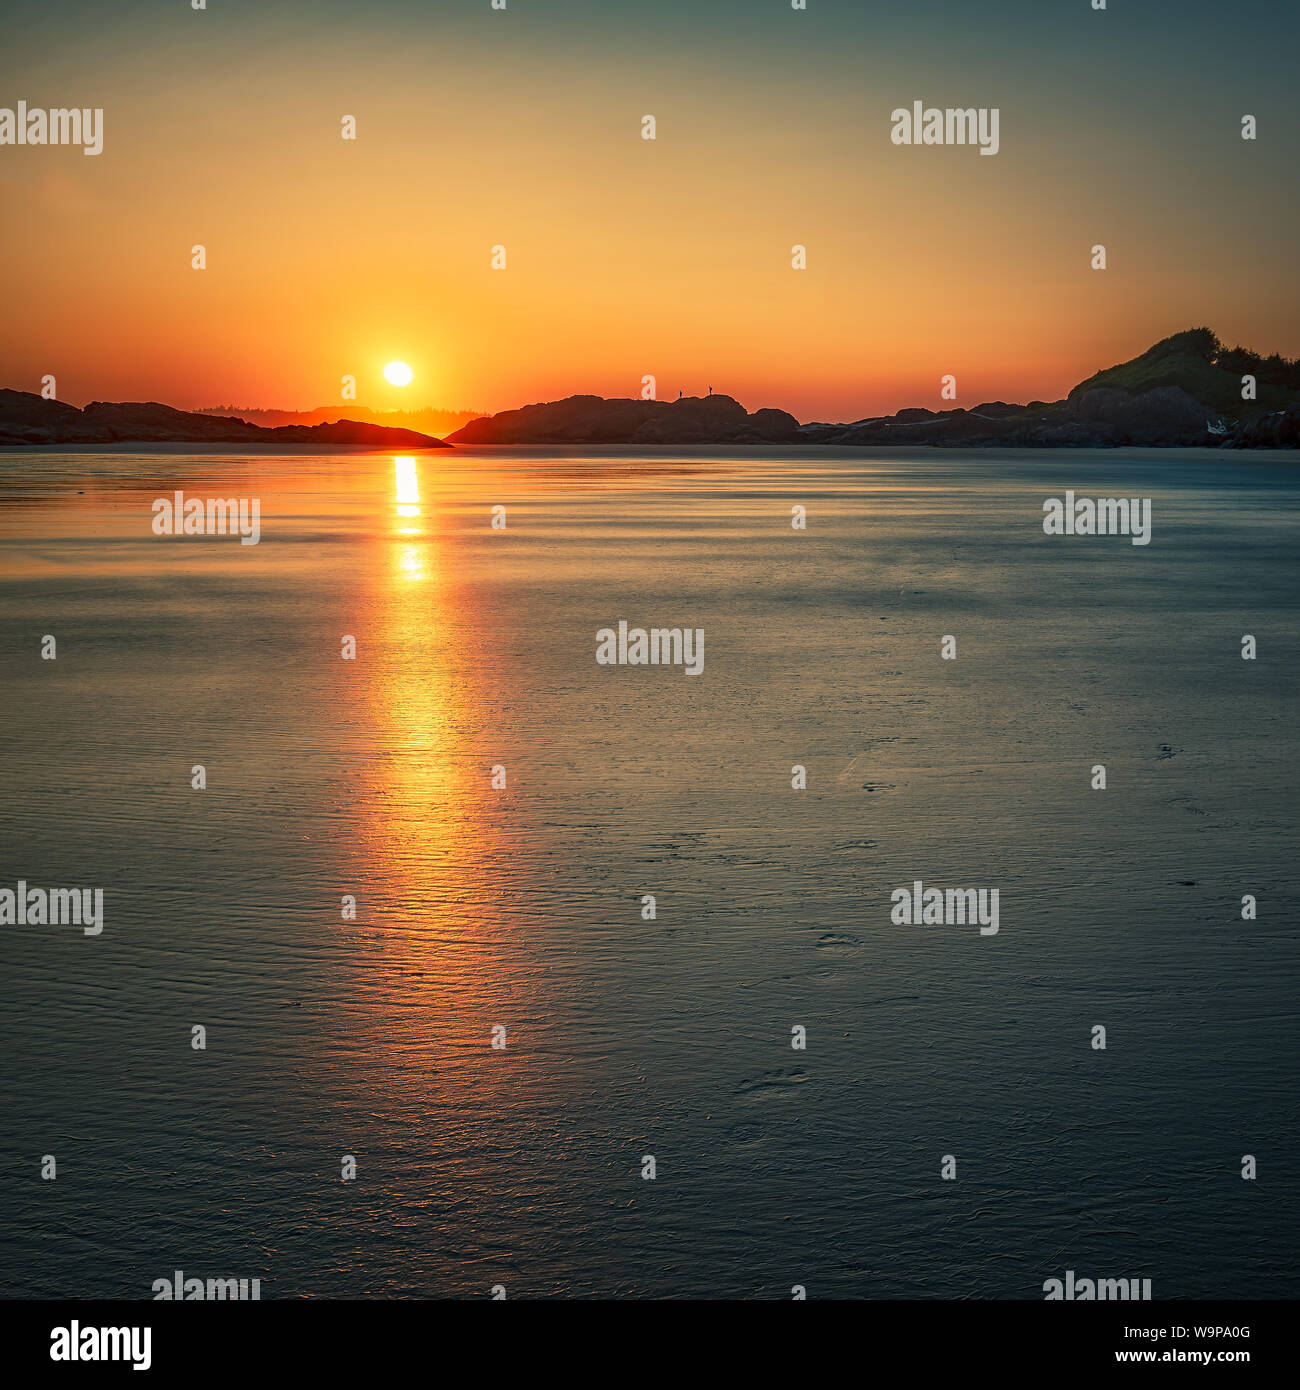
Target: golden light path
x=408, y=489
x=432, y=857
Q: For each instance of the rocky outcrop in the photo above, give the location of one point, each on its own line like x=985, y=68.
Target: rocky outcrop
x=1278, y=429
x=1186, y=390
x=352, y=432
x=31, y=420
x=596, y=420
x=1164, y=416
x=1101, y=418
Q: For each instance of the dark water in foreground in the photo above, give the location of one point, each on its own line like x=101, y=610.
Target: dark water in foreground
x=521, y=908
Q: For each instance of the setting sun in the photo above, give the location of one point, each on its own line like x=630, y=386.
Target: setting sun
x=398, y=374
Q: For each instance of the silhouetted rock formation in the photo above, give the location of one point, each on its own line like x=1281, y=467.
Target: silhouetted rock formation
x=595, y=420
x=30, y=419
x=1277, y=429
x=1186, y=390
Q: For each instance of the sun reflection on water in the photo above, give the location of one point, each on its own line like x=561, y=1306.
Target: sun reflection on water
x=408, y=491
x=408, y=482
x=432, y=854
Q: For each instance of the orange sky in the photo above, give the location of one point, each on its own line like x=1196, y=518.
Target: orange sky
x=625, y=257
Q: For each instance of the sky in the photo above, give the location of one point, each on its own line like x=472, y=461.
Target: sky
x=627, y=257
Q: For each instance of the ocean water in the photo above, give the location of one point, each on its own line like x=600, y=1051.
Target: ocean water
x=482, y=908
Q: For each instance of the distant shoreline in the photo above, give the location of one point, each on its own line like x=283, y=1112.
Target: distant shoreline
x=1188, y=391
x=705, y=453
x=155, y=446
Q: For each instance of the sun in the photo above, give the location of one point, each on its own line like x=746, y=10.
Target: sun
x=398, y=374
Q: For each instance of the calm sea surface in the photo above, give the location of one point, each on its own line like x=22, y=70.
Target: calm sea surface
x=521, y=909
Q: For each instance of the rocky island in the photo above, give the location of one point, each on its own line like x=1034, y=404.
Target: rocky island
x=1186, y=391
x=596, y=420
x=28, y=420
